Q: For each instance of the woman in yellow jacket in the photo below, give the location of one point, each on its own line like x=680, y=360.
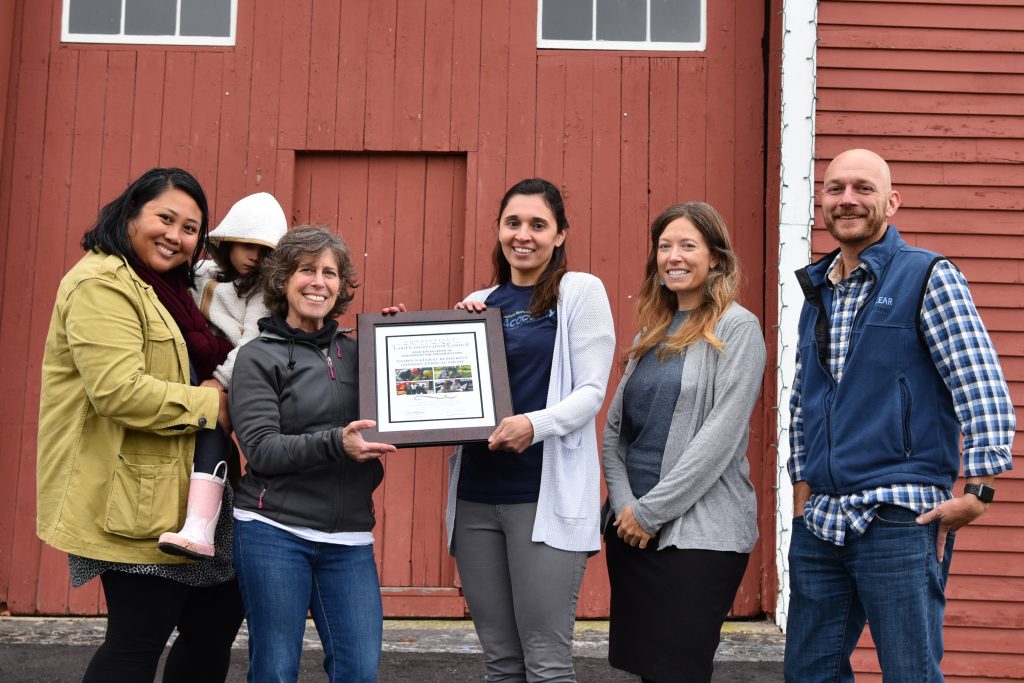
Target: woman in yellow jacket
x=121, y=404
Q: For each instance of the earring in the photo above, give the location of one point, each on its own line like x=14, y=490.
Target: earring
x=661, y=283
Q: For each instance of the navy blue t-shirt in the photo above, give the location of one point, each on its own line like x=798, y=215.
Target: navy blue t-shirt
x=503, y=477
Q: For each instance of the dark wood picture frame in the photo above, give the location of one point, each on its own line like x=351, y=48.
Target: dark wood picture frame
x=501, y=398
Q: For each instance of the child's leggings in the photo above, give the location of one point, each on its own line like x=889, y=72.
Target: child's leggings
x=212, y=446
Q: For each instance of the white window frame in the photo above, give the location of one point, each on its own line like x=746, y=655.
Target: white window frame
x=67, y=37
x=648, y=45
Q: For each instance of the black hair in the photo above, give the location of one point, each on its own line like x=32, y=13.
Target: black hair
x=110, y=233
x=245, y=285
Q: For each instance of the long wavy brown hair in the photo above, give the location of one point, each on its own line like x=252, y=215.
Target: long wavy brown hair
x=656, y=305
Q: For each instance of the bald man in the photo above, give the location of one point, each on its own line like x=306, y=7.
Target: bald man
x=893, y=363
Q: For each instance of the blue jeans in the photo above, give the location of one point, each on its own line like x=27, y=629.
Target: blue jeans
x=281, y=576
x=890, y=577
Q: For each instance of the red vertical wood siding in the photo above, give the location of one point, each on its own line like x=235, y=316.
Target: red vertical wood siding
x=773, y=210
x=7, y=24
x=400, y=123
x=937, y=88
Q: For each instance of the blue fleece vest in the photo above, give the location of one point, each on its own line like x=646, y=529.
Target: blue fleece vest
x=891, y=419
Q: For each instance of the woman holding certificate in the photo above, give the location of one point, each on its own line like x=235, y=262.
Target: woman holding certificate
x=303, y=513
x=523, y=508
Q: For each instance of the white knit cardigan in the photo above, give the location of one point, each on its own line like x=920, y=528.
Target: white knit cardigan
x=233, y=316
x=568, y=507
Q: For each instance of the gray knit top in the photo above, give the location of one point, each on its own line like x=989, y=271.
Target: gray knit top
x=648, y=400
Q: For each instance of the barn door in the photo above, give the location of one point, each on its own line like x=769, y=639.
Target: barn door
x=403, y=217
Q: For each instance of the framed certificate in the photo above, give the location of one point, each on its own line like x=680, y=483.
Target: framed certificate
x=432, y=377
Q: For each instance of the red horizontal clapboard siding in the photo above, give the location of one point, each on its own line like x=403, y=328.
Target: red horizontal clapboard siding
x=937, y=88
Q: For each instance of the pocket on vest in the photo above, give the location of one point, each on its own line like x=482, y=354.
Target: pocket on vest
x=143, y=500
x=905, y=407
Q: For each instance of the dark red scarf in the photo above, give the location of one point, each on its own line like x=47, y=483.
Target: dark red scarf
x=205, y=349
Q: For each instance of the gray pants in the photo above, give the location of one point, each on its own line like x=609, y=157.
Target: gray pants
x=521, y=594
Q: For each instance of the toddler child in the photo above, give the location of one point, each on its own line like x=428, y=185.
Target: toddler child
x=229, y=297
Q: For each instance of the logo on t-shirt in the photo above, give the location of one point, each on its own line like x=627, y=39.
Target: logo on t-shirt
x=511, y=321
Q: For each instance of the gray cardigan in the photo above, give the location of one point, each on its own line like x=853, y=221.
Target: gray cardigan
x=704, y=498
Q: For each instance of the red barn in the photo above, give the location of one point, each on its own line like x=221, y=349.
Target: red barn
x=400, y=123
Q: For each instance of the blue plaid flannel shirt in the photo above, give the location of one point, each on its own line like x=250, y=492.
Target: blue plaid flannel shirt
x=962, y=351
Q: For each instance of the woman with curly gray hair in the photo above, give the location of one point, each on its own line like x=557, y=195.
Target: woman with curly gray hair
x=303, y=513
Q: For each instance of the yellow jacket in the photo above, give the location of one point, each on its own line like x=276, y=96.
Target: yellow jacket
x=117, y=417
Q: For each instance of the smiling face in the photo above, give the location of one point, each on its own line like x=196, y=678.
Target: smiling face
x=312, y=291
x=684, y=261
x=245, y=257
x=528, y=234
x=857, y=198
x=165, y=233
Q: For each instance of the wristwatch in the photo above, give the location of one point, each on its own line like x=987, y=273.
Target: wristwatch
x=984, y=492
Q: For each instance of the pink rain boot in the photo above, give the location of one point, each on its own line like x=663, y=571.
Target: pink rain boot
x=195, y=539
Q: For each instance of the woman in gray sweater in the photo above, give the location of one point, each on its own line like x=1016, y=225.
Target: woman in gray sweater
x=681, y=517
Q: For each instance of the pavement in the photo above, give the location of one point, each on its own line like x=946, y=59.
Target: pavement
x=415, y=651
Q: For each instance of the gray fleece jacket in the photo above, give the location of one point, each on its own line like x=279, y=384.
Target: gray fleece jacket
x=704, y=498
x=289, y=401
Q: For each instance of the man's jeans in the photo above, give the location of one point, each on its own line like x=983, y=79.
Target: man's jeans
x=889, y=576
x=281, y=576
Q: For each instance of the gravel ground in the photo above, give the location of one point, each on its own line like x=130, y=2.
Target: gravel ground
x=421, y=651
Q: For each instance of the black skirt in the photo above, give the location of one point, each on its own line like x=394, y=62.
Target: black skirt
x=667, y=608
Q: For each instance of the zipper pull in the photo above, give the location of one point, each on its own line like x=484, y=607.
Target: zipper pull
x=260, y=505
x=330, y=366
x=337, y=348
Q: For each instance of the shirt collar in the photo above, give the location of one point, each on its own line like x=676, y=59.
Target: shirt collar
x=835, y=274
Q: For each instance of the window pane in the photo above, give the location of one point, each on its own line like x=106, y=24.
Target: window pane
x=622, y=20
x=205, y=18
x=95, y=16
x=567, y=20
x=149, y=17
x=675, y=21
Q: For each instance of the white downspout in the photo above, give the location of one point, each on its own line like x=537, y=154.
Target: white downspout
x=796, y=218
